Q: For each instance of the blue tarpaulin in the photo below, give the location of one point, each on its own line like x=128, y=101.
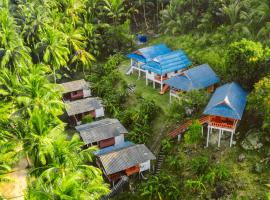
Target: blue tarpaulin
x=148, y=53
x=194, y=79
x=170, y=62
x=228, y=101
x=113, y=148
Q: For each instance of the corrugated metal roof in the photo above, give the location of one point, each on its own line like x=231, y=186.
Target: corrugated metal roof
x=148, y=53
x=101, y=130
x=83, y=105
x=169, y=62
x=125, y=158
x=228, y=100
x=195, y=78
x=113, y=148
x=75, y=86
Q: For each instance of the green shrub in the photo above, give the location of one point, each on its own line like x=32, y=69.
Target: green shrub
x=87, y=119
x=200, y=164
x=194, y=133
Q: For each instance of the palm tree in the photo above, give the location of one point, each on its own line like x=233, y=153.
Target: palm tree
x=53, y=48
x=114, y=9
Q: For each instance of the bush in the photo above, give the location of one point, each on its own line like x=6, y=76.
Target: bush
x=87, y=119
x=194, y=133
x=200, y=164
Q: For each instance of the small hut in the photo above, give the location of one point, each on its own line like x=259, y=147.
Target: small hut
x=75, y=90
x=104, y=133
x=143, y=55
x=225, y=110
x=165, y=66
x=78, y=109
x=125, y=159
x=196, y=78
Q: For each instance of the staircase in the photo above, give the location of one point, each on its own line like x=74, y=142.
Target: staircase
x=164, y=89
x=159, y=162
x=181, y=129
x=129, y=70
x=116, y=188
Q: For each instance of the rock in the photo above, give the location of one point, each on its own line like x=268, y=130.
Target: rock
x=252, y=142
x=241, y=157
x=257, y=168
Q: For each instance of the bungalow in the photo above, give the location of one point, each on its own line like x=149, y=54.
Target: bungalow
x=104, y=133
x=74, y=90
x=165, y=66
x=225, y=110
x=91, y=106
x=124, y=159
x=193, y=79
x=143, y=55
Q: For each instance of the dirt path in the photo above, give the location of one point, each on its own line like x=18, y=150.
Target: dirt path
x=15, y=188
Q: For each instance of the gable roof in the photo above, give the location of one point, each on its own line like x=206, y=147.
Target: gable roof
x=100, y=130
x=197, y=78
x=147, y=53
x=228, y=100
x=75, y=86
x=83, y=105
x=125, y=158
x=169, y=62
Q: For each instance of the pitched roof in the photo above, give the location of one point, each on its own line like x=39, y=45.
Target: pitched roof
x=147, y=53
x=109, y=149
x=228, y=100
x=83, y=105
x=169, y=62
x=125, y=158
x=195, y=78
x=100, y=130
x=75, y=86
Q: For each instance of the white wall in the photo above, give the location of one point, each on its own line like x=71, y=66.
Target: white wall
x=119, y=139
x=99, y=112
x=150, y=76
x=145, y=166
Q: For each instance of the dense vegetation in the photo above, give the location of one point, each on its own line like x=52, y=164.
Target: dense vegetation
x=46, y=42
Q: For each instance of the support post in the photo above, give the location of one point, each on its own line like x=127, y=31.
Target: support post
x=170, y=96
x=207, y=138
x=231, y=140
x=202, y=130
x=146, y=78
x=219, y=137
x=161, y=83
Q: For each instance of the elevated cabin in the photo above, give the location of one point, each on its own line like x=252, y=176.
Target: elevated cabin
x=78, y=109
x=104, y=133
x=196, y=78
x=225, y=110
x=124, y=159
x=165, y=66
x=144, y=55
x=75, y=90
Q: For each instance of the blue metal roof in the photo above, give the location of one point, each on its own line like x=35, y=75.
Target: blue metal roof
x=148, y=53
x=169, y=62
x=194, y=79
x=228, y=101
x=113, y=148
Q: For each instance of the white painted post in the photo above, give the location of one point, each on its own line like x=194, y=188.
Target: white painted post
x=231, y=140
x=219, y=137
x=161, y=83
x=208, y=133
x=139, y=74
x=170, y=96
x=202, y=130
x=146, y=77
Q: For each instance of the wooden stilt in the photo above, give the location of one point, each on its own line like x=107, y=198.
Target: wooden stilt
x=161, y=83
x=231, y=140
x=202, y=130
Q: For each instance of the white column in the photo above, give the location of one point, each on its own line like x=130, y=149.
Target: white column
x=219, y=137
x=154, y=84
x=202, y=130
x=208, y=133
x=161, y=84
x=170, y=96
x=231, y=140
x=139, y=73
x=146, y=79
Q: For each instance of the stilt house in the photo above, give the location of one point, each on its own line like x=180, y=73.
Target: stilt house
x=143, y=55
x=225, y=110
x=75, y=90
x=196, y=78
x=104, y=133
x=124, y=159
x=91, y=106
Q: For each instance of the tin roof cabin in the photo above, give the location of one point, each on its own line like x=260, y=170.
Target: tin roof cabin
x=196, y=78
x=75, y=90
x=143, y=55
x=104, y=133
x=124, y=159
x=165, y=66
x=77, y=110
x=225, y=110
